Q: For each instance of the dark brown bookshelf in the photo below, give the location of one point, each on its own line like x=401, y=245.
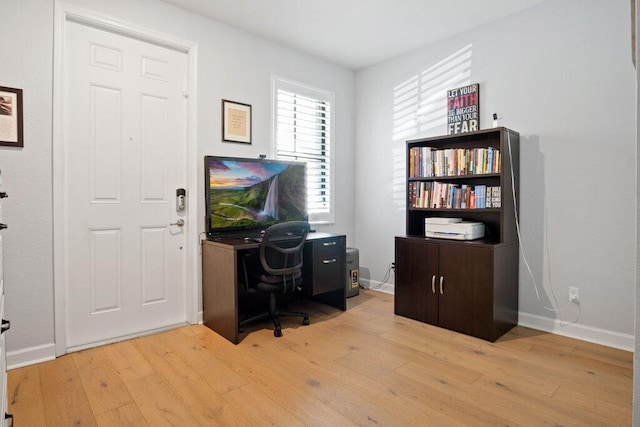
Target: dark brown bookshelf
x=466, y=286
x=500, y=222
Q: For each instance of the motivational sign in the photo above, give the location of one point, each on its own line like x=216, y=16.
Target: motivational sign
x=463, y=109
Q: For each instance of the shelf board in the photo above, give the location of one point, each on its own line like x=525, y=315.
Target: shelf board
x=483, y=210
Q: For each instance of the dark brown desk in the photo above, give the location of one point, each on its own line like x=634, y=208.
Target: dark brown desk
x=324, y=277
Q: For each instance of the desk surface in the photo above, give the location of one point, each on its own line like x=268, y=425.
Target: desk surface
x=240, y=243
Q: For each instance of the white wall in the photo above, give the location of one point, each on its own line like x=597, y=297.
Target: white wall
x=231, y=65
x=27, y=172
x=561, y=75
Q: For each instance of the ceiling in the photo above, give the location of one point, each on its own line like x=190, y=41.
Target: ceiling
x=355, y=33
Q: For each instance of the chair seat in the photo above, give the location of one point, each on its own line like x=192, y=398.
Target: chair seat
x=267, y=284
x=278, y=279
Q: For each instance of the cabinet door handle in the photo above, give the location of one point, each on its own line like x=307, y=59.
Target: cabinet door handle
x=329, y=261
x=4, y=326
x=433, y=284
x=329, y=243
x=9, y=418
x=3, y=195
x=441, y=285
x=3, y=226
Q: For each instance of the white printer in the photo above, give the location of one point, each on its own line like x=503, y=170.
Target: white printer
x=453, y=228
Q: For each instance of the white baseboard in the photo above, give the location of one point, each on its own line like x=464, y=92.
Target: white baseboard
x=374, y=285
x=580, y=332
x=30, y=356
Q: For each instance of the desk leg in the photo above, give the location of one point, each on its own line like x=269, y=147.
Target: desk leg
x=220, y=290
x=337, y=299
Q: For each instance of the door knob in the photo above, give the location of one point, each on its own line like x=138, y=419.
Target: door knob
x=179, y=222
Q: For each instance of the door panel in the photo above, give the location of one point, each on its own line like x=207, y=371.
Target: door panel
x=466, y=300
x=105, y=284
x=153, y=143
x=106, y=125
x=416, y=267
x=125, y=151
x=153, y=256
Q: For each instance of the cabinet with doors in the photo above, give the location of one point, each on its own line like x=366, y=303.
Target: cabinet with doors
x=469, y=287
x=466, y=286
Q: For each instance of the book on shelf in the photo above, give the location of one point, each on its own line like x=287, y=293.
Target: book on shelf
x=496, y=197
x=444, y=195
x=425, y=162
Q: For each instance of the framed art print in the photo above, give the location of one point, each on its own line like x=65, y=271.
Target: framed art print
x=236, y=122
x=11, y=117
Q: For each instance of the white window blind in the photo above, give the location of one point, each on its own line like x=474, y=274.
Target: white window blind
x=303, y=131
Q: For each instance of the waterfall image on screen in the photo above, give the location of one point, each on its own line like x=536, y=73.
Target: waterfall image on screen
x=271, y=204
x=249, y=193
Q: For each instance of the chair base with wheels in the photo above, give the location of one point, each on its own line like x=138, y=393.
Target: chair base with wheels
x=274, y=313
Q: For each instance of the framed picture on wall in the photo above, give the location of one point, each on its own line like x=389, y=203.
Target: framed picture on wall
x=236, y=122
x=11, y=117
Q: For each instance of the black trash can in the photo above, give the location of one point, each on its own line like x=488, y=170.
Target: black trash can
x=353, y=277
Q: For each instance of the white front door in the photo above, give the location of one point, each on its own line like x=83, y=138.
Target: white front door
x=124, y=156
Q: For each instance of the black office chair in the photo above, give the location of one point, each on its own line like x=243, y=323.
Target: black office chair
x=281, y=261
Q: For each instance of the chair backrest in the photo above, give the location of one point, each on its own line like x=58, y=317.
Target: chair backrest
x=281, y=247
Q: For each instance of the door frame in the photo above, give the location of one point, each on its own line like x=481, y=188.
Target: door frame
x=65, y=13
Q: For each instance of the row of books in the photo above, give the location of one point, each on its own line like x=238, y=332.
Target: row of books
x=434, y=194
x=428, y=161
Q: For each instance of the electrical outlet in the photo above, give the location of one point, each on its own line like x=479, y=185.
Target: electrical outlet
x=573, y=294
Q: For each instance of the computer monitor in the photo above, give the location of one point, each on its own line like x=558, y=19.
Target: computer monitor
x=248, y=195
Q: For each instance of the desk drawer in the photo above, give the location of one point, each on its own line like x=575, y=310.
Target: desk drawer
x=329, y=277
x=326, y=252
x=327, y=257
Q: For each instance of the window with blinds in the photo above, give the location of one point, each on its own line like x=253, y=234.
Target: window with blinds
x=303, y=131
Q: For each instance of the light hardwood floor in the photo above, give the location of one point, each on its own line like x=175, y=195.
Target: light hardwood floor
x=364, y=366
